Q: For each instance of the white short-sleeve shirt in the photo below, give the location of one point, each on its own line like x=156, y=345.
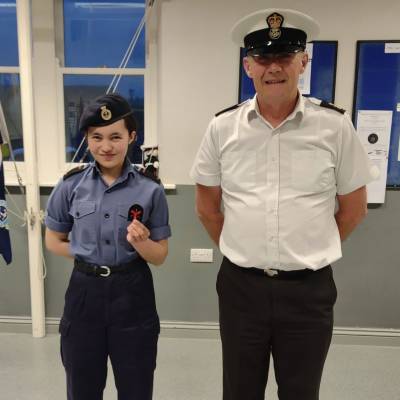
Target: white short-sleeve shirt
x=279, y=185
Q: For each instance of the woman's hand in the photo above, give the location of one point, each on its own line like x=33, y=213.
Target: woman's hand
x=137, y=232
x=152, y=251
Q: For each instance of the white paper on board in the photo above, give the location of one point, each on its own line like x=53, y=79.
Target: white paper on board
x=392, y=48
x=374, y=128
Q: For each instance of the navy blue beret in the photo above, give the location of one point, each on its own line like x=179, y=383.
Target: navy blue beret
x=104, y=110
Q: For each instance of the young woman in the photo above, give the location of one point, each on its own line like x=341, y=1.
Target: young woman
x=112, y=220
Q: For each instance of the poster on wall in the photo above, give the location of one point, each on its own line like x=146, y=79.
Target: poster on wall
x=377, y=87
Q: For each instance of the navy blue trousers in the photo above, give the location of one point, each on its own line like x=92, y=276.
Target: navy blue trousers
x=260, y=316
x=111, y=317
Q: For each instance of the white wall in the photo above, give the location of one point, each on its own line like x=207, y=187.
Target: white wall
x=199, y=65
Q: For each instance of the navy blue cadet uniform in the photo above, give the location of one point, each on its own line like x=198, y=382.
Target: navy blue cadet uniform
x=108, y=314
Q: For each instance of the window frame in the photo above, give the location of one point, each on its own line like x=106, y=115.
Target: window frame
x=148, y=73
x=55, y=165
x=9, y=168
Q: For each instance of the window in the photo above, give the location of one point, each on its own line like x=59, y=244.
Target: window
x=96, y=36
x=8, y=33
x=10, y=96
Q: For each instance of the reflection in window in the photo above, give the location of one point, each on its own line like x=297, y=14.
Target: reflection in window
x=10, y=98
x=10, y=95
x=98, y=33
x=8, y=34
x=80, y=89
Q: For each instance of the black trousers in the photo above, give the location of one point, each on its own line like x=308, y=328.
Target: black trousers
x=260, y=316
x=112, y=317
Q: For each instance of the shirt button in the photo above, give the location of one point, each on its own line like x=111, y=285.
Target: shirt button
x=106, y=215
x=107, y=241
x=77, y=214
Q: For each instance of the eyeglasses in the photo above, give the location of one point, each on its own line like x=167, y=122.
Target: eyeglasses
x=269, y=58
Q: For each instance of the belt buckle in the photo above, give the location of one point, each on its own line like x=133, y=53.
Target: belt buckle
x=107, y=273
x=271, y=272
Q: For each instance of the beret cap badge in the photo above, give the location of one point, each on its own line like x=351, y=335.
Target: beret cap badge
x=105, y=113
x=275, y=22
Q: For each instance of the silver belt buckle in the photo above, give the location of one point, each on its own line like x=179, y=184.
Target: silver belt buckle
x=108, y=271
x=270, y=272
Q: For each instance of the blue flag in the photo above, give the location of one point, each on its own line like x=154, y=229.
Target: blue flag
x=5, y=243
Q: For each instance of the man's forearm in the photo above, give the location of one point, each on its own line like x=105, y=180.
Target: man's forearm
x=347, y=223
x=352, y=209
x=213, y=224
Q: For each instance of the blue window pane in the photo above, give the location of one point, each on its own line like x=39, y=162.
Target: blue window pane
x=97, y=34
x=10, y=98
x=8, y=34
x=80, y=89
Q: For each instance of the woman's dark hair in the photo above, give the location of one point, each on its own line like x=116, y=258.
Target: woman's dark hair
x=130, y=123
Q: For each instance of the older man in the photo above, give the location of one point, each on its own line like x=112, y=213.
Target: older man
x=268, y=174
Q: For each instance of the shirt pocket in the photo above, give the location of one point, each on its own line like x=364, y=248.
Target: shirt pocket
x=312, y=170
x=239, y=170
x=84, y=214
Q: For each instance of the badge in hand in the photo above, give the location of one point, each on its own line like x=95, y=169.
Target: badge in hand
x=135, y=212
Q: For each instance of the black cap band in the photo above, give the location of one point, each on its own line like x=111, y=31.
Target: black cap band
x=289, y=40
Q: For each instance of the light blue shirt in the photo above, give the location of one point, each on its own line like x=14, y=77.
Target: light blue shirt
x=97, y=214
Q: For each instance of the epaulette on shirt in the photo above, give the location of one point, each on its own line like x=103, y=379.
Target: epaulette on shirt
x=75, y=171
x=325, y=104
x=147, y=174
x=227, y=109
x=332, y=107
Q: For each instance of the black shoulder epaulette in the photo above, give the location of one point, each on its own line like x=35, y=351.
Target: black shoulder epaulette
x=74, y=171
x=147, y=174
x=332, y=107
x=227, y=109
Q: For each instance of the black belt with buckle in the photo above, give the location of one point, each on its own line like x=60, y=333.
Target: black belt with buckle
x=278, y=273
x=105, y=270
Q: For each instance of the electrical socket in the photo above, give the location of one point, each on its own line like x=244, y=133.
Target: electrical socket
x=201, y=255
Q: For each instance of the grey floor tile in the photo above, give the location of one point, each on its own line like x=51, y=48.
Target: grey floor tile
x=190, y=369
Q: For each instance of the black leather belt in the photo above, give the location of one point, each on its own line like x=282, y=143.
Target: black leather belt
x=278, y=273
x=105, y=270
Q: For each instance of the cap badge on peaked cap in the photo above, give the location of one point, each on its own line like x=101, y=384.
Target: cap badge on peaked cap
x=274, y=30
x=275, y=22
